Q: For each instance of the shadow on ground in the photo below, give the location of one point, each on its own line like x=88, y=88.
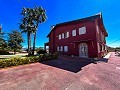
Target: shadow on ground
x=69, y=65
x=101, y=60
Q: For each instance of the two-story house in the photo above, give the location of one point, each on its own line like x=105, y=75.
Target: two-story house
x=83, y=37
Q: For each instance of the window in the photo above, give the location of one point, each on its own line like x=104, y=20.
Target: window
x=57, y=48
x=61, y=48
x=60, y=36
x=65, y=48
x=102, y=37
x=66, y=34
x=82, y=30
x=97, y=28
x=98, y=47
x=74, y=33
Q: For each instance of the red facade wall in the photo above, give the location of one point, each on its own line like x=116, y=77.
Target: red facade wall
x=91, y=38
x=73, y=48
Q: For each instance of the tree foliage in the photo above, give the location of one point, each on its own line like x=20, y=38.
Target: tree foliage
x=3, y=43
x=31, y=18
x=14, y=40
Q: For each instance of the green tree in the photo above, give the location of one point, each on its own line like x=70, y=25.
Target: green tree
x=14, y=40
x=39, y=16
x=27, y=25
x=31, y=19
x=3, y=43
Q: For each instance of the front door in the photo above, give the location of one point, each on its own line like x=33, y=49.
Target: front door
x=83, y=50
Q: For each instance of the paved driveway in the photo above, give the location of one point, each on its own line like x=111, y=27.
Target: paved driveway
x=60, y=76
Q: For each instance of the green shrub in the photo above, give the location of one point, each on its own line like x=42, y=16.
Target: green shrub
x=4, y=52
x=15, y=61
x=44, y=57
x=41, y=51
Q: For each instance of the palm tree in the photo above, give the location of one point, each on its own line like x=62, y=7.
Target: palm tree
x=30, y=21
x=26, y=26
x=39, y=16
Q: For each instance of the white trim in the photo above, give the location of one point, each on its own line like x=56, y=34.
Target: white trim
x=73, y=32
x=65, y=48
x=59, y=36
x=63, y=35
x=82, y=30
x=57, y=48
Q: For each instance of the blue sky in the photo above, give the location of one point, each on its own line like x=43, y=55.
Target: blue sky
x=61, y=11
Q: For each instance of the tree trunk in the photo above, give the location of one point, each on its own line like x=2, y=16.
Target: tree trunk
x=29, y=44
x=34, y=39
x=34, y=44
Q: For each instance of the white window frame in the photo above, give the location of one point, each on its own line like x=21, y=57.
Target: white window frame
x=66, y=34
x=59, y=36
x=97, y=28
x=65, y=48
x=73, y=32
x=98, y=47
x=82, y=30
x=63, y=36
x=58, y=48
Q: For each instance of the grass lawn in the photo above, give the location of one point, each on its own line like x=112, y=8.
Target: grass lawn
x=10, y=56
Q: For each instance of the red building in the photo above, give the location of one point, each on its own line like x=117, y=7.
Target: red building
x=83, y=37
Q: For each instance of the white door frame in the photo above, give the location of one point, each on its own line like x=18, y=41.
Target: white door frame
x=83, y=50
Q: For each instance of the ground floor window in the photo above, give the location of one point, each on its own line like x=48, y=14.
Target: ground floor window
x=100, y=47
x=57, y=48
x=61, y=48
x=65, y=48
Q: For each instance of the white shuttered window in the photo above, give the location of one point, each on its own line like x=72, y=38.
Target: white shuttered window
x=74, y=33
x=59, y=36
x=82, y=30
x=65, y=48
x=62, y=35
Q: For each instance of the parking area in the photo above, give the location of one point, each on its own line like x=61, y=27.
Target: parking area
x=63, y=74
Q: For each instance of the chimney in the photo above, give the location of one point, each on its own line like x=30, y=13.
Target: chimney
x=52, y=27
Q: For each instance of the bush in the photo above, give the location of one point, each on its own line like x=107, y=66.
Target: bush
x=44, y=57
x=15, y=61
x=4, y=52
x=41, y=51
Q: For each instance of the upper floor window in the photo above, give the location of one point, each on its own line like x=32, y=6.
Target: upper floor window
x=102, y=36
x=66, y=34
x=82, y=30
x=62, y=35
x=97, y=28
x=65, y=48
x=74, y=33
x=59, y=36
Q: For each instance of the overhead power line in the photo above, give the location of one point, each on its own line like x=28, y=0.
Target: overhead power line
x=115, y=41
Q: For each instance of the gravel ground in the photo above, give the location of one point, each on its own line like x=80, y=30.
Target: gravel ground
x=44, y=76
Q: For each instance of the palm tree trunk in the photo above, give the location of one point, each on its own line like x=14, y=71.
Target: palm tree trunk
x=34, y=41
x=29, y=44
x=34, y=44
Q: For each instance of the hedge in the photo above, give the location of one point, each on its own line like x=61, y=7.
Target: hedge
x=15, y=61
x=4, y=52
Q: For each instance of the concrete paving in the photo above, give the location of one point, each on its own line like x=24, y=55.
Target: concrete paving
x=47, y=76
